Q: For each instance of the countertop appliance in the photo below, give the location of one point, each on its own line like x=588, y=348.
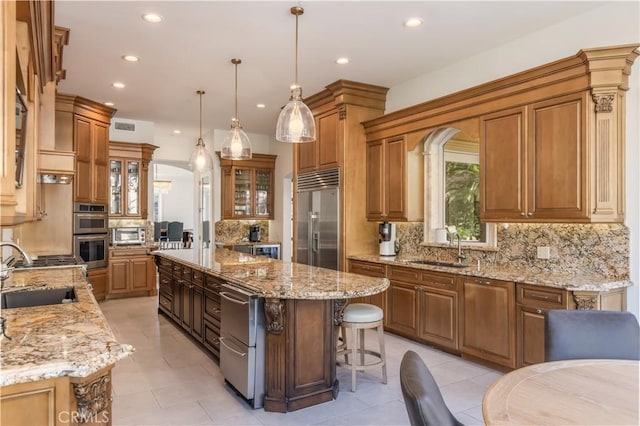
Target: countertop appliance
x=267, y=250
x=91, y=233
x=128, y=236
x=242, y=342
x=387, y=233
x=318, y=218
x=254, y=233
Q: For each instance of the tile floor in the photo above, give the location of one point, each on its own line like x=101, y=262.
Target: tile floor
x=171, y=381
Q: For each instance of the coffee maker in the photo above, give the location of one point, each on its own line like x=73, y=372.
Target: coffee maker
x=254, y=233
x=387, y=233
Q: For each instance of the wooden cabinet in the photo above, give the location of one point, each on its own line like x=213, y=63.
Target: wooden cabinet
x=534, y=162
x=488, y=326
x=131, y=272
x=91, y=145
x=324, y=152
x=248, y=187
x=438, y=309
x=128, y=179
x=390, y=169
x=165, y=286
x=339, y=111
x=372, y=270
x=98, y=278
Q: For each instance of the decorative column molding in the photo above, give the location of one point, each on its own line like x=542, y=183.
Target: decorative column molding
x=93, y=398
x=338, y=310
x=603, y=101
x=274, y=314
x=586, y=301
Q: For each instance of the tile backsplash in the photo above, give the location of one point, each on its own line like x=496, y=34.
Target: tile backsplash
x=235, y=231
x=601, y=249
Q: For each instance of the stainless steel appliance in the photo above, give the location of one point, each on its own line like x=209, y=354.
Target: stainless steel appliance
x=387, y=233
x=254, y=233
x=128, y=236
x=318, y=214
x=242, y=342
x=91, y=233
x=267, y=250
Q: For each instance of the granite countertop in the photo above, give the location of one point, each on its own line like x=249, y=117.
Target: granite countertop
x=245, y=243
x=72, y=339
x=273, y=278
x=572, y=282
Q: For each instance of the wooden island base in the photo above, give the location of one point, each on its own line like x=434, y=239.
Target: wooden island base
x=301, y=353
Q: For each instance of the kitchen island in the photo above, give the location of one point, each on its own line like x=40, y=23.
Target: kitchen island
x=56, y=360
x=303, y=307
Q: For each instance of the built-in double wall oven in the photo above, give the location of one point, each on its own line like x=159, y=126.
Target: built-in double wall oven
x=91, y=233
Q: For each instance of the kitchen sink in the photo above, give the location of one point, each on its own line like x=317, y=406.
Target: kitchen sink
x=438, y=263
x=23, y=299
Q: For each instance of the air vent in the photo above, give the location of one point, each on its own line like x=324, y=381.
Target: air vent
x=319, y=180
x=129, y=127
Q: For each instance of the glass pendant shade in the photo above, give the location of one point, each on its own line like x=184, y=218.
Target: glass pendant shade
x=295, y=122
x=236, y=144
x=200, y=158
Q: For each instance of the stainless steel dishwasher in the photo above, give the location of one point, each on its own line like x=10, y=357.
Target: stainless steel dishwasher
x=242, y=342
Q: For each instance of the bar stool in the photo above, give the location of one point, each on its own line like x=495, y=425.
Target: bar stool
x=357, y=318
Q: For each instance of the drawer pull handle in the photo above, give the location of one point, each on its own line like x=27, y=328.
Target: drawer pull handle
x=483, y=282
x=539, y=296
x=230, y=298
x=242, y=354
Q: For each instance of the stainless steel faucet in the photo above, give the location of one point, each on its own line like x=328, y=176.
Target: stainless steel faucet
x=461, y=256
x=27, y=259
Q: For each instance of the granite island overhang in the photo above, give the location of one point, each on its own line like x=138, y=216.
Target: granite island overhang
x=303, y=306
x=51, y=347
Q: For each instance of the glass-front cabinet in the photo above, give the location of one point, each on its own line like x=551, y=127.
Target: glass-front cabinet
x=128, y=178
x=247, y=187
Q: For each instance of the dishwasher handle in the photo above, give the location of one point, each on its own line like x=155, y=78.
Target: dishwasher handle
x=221, y=340
x=230, y=298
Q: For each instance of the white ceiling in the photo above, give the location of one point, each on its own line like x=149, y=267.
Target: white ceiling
x=192, y=48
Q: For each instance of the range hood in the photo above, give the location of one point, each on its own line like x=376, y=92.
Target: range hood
x=56, y=166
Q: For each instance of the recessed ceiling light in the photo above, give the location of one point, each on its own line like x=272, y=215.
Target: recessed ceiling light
x=261, y=106
x=109, y=103
x=152, y=17
x=342, y=61
x=118, y=85
x=413, y=22
x=177, y=132
x=130, y=58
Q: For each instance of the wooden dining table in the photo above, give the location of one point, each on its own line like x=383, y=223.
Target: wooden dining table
x=579, y=392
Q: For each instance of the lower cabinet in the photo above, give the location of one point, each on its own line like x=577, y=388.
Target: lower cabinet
x=372, y=270
x=98, y=278
x=438, y=309
x=403, y=308
x=488, y=328
x=131, y=272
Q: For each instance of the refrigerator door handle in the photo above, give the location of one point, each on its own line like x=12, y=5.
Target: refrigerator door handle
x=315, y=242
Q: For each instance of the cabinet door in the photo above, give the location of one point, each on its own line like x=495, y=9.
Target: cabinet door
x=395, y=175
x=375, y=180
x=438, y=322
x=139, y=274
x=187, y=302
x=488, y=325
x=242, y=186
x=99, y=279
x=197, y=323
x=502, y=165
x=132, y=200
x=328, y=141
x=177, y=298
x=227, y=192
x=118, y=276
x=558, y=159
x=100, y=137
x=306, y=153
x=530, y=335
x=403, y=313
x=116, y=179
x=83, y=182
x=263, y=193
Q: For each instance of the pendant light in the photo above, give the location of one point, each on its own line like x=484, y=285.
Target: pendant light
x=295, y=123
x=161, y=186
x=200, y=159
x=236, y=145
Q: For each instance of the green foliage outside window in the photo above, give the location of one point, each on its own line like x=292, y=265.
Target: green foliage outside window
x=462, y=200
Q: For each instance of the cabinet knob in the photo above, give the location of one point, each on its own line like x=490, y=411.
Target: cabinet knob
x=417, y=288
x=483, y=282
x=530, y=214
x=538, y=311
x=523, y=214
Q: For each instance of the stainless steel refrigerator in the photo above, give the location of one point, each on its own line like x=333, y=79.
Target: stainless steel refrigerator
x=318, y=219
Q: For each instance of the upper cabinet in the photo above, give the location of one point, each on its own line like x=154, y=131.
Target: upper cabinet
x=88, y=127
x=551, y=141
x=323, y=153
x=128, y=179
x=248, y=187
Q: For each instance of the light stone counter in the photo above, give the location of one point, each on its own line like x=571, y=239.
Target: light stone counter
x=52, y=341
x=571, y=282
x=271, y=278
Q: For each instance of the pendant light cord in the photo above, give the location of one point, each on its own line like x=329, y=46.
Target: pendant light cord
x=296, y=79
x=236, y=116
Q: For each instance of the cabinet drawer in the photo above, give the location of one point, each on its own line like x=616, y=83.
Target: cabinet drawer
x=177, y=270
x=213, y=283
x=127, y=252
x=186, y=273
x=543, y=297
x=212, y=337
x=211, y=307
x=163, y=263
x=441, y=281
x=198, y=278
x=164, y=302
x=404, y=274
x=367, y=268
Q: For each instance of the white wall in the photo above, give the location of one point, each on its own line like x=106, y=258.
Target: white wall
x=178, y=203
x=143, y=133
x=611, y=24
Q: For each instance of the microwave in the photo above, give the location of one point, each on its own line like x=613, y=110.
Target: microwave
x=131, y=236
